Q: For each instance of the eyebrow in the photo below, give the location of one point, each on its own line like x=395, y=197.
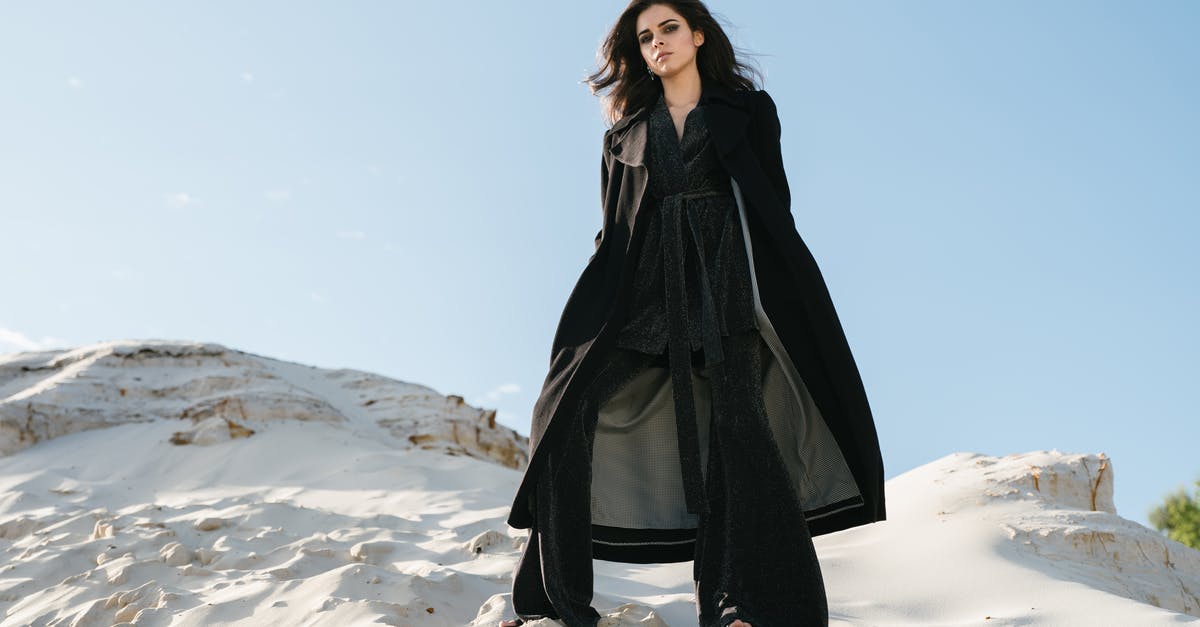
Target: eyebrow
x=646, y=30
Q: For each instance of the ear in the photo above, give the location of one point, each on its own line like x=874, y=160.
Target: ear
x=697, y=38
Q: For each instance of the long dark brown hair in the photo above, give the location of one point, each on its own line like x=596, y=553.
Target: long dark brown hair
x=622, y=71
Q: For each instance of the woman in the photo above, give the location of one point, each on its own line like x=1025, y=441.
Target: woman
x=702, y=402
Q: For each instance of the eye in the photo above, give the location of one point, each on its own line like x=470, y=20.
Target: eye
x=671, y=27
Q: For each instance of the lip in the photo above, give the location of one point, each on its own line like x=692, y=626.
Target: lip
x=662, y=56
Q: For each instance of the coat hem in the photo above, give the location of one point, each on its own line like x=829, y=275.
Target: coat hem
x=844, y=519
x=663, y=546
x=643, y=546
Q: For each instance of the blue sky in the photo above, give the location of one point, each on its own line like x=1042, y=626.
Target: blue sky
x=1003, y=197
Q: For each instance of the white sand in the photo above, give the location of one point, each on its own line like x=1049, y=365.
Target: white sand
x=330, y=514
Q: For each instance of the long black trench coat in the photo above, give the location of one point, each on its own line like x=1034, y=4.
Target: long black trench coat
x=842, y=483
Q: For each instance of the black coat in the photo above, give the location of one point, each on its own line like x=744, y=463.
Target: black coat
x=745, y=129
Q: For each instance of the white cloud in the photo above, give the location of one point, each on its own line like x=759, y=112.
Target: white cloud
x=248, y=77
x=125, y=273
x=352, y=235
x=316, y=297
x=180, y=200
x=508, y=388
x=14, y=342
x=278, y=195
x=494, y=394
x=75, y=82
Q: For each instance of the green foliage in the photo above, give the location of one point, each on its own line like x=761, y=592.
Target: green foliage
x=1179, y=515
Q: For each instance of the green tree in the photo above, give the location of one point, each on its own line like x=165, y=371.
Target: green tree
x=1179, y=516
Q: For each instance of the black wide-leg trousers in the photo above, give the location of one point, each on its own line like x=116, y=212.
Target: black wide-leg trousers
x=753, y=547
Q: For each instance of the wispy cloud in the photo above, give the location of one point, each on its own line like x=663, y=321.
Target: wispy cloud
x=75, y=82
x=316, y=297
x=125, y=273
x=16, y=342
x=248, y=77
x=351, y=235
x=496, y=393
x=278, y=195
x=180, y=200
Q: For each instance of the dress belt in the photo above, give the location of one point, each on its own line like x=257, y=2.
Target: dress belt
x=674, y=211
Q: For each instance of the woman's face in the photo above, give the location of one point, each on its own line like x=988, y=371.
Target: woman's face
x=667, y=43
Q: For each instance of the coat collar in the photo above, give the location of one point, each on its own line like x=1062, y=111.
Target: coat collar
x=725, y=111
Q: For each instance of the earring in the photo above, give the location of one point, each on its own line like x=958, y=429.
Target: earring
x=650, y=72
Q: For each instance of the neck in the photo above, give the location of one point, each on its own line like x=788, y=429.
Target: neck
x=683, y=88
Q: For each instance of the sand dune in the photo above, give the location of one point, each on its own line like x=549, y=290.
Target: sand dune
x=171, y=483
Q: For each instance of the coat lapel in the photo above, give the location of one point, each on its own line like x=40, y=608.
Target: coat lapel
x=725, y=112
x=628, y=144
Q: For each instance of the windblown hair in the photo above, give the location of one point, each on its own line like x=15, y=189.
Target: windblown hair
x=622, y=71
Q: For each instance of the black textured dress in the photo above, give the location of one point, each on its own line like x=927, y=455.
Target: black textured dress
x=693, y=247
x=670, y=483
x=692, y=283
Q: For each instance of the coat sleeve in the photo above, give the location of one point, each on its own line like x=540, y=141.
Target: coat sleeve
x=768, y=133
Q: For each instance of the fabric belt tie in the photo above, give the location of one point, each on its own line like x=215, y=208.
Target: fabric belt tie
x=674, y=211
